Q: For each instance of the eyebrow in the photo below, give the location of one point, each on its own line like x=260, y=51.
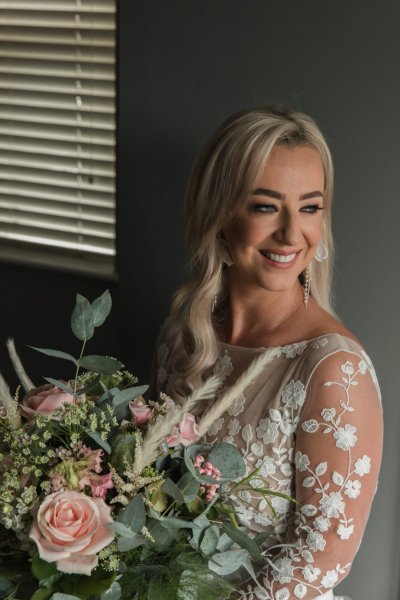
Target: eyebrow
x=279, y=196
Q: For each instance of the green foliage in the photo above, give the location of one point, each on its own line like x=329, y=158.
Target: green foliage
x=133, y=515
x=101, y=308
x=82, y=319
x=84, y=587
x=228, y=459
x=242, y=539
x=42, y=569
x=122, y=450
x=104, y=365
x=55, y=353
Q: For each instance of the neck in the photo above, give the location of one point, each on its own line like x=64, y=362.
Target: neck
x=259, y=314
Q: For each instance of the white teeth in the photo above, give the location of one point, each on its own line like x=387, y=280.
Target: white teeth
x=280, y=257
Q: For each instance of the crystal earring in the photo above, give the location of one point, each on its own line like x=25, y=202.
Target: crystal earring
x=226, y=255
x=214, y=303
x=307, y=281
x=321, y=252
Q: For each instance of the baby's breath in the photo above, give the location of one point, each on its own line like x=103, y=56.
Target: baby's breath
x=109, y=558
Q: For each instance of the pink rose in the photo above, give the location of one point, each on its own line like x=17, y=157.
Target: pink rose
x=140, y=411
x=44, y=400
x=69, y=529
x=185, y=433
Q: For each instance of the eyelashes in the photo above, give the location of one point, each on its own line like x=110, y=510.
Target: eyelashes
x=271, y=208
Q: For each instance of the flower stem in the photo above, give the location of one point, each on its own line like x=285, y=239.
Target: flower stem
x=77, y=366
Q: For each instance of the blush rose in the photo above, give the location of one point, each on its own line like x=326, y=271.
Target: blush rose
x=141, y=413
x=69, y=529
x=185, y=433
x=44, y=400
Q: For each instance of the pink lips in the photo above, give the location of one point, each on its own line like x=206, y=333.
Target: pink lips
x=280, y=265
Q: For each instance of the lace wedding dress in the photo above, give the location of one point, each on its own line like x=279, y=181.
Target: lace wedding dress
x=312, y=423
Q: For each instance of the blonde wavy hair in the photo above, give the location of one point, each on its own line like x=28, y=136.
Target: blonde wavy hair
x=221, y=180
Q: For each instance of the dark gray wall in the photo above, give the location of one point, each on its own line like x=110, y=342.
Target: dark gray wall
x=186, y=65
x=183, y=67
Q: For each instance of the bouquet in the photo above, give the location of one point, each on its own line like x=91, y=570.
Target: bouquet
x=106, y=495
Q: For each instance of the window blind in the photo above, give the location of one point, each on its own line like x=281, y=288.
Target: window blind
x=57, y=131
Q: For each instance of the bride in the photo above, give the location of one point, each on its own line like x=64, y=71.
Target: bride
x=258, y=211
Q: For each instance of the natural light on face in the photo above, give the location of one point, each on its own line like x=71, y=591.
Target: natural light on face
x=276, y=231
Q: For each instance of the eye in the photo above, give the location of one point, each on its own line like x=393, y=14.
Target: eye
x=264, y=208
x=312, y=208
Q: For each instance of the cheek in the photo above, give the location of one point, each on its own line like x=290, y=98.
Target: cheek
x=246, y=232
x=313, y=233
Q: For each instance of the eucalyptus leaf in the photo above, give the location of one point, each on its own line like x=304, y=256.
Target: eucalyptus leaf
x=224, y=543
x=55, y=353
x=101, y=308
x=134, y=514
x=174, y=523
x=195, y=585
x=104, y=365
x=122, y=529
x=171, y=489
x=125, y=544
x=82, y=319
x=113, y=592
x=99, y=440
x=247, y=564
x=60, y=596
x=210, y=540
x=60, y=384
x=128, y=394
x=188, y=486
x=5, y=585
x=189, y=455
x=228, y=459
x=243, y=540
x=164, y=538
x=41, y=594
x=224, y=563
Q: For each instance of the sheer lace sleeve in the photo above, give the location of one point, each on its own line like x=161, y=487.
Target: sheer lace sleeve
x=337, y=457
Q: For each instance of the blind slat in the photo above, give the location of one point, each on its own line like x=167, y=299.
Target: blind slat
x=62, y=6
x=101, y=39
x=52, y=149
x=62, y=240
x=75, y=166
x=57, y=126
x=60, y=53
x=64, y=180
x=41, y=68
x=51, y=222
x=96, y=214
x=76, y=133
x=40, y=192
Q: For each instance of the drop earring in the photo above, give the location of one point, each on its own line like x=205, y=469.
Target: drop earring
x=321, y=252
x=226, y=255
x=214, y=303
x=307, y=281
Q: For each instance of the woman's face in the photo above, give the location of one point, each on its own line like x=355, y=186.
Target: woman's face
x=275, y=233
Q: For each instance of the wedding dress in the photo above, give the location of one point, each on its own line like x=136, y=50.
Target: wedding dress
x=312, y=424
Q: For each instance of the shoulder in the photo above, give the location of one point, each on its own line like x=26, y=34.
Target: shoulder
x=323, y=323
x=343, y=371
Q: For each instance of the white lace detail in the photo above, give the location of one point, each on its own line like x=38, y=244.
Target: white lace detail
x=309, y=438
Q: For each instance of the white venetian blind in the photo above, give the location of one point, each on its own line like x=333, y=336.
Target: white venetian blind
x=57, y=132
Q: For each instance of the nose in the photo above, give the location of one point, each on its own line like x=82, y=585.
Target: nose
x=289, y=229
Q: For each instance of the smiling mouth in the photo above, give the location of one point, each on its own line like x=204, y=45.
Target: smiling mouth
x=280, y=259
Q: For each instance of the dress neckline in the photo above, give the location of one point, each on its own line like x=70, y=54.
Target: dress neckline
x=308, y=341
